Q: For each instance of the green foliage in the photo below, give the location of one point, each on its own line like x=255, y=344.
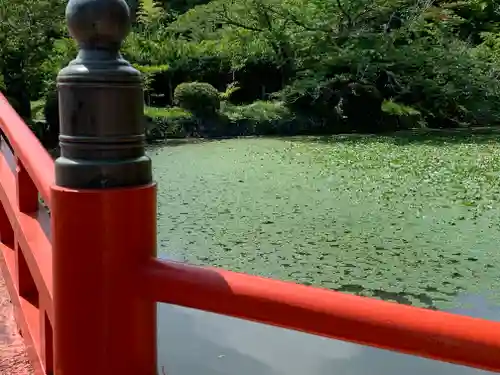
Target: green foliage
x=392, y=108
x=314, y=95
x=341, y=66
x=149, y=72
x=259, y=118
x=230, y=90
x=334, y=105
x=37, y=109
x=149, y=12
x=165, y=123
x=28, y=31
x=198, y=97
x=64, y=50
x=181, y=6
x=401, y=116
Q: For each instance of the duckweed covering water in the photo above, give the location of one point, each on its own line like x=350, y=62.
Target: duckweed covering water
x=414, y=220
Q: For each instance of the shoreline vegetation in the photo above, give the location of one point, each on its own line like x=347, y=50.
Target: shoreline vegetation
x=225, y=68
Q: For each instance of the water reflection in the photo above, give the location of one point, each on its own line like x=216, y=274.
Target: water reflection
x=195, y=342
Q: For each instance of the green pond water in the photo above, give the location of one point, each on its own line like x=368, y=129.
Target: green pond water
x=414, y=220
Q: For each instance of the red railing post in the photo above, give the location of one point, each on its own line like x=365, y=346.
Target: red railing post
x=103, y=205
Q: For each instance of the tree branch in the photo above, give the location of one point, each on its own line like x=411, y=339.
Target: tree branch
x=345, y=13
x=226, y=19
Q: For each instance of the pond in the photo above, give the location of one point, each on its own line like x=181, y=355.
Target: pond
x=412, y=219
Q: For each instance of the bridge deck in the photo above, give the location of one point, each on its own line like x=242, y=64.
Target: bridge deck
x=13, y=357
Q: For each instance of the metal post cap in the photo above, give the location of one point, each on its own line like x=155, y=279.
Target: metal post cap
x=100, y=103
x=98, y=23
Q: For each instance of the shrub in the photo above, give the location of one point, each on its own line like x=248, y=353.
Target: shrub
x=259, y=118
x=165, y=123
x=200, y=98
x=335, y=105
x=316, y=100
x=314, y=95
x=401, y=116
x=447, y=82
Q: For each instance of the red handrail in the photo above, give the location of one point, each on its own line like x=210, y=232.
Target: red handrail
x=26, y=172
x=422, y=332
x=28, y=148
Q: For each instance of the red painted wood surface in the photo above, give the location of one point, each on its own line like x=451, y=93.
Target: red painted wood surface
x=27, y=148
x=422, y=332
x=25, y=248
x=104, y=325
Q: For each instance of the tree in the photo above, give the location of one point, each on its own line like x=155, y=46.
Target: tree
x=28, y=31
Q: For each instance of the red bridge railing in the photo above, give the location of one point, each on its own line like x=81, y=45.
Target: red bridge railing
x=85, y=281
x=27, y=172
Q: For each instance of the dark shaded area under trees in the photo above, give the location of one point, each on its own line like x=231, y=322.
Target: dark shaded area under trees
x=278, y=67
